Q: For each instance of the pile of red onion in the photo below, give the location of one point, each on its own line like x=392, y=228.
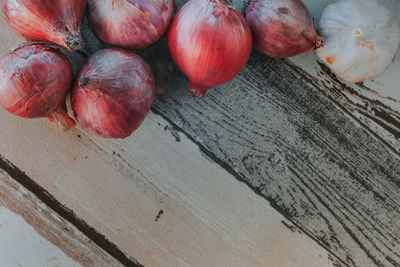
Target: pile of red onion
x=208, y=40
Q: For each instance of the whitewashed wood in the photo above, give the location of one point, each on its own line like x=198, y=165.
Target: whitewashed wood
x=209, y=219
x=327, y=163
x=311, y=160
x=104, y=188
x=17, y=236
x=120, y=187
x=31, y=234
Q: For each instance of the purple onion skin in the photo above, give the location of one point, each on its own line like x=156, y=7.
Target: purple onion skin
x=54, y=21
x=34, y=83
x=282, y=28
x=113, y=93
x=133, y=24
x=210, y=42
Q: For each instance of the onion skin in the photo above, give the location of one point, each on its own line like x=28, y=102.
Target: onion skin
x=34, y=83
x=210, y=42
x=55, y=21
x=131, y=24
x=282, y=28
x=112, y=94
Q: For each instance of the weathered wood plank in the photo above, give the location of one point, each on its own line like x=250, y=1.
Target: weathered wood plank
x=160, y=201
x=31, y=234
x=318, y=166
x=307, y=157
x=314, y=161
x=16, y=236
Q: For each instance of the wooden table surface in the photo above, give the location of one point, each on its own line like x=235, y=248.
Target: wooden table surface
x=286, y=165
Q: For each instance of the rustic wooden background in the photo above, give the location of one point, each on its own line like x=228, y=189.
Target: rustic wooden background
x=253, y=174
x=322, y=151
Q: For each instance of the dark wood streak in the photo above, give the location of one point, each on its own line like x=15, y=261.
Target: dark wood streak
x=362, y=86
x=50, y=226
x=383, y=115
x=302, y=150
x=66, y=213
x=313, y=161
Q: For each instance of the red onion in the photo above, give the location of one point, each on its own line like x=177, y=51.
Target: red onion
x=56, y=21
x=282, y=28
x=210, y=42
x=130, y=23
x=112, y=94
x=34, y=83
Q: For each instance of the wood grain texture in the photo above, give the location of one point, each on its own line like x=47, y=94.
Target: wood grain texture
x=27, y=225
x=17, y=235
x=315, y=163
x=309, y=155
x=161, y=201
x=327, y=161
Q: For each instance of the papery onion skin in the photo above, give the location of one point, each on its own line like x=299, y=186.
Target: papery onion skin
x=130, y=23
x=282, y=28
x=112, y=94
x=34, y=83
x=210, y=42
x=55, y=21
x=362, y=37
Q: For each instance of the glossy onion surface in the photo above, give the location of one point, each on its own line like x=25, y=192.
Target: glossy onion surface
x=282, y=28
x=210, y=42
x=130, y=23
x=55, y=21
